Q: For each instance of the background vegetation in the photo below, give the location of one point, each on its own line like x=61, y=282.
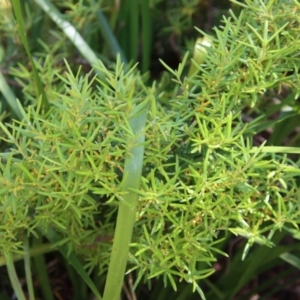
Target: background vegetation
x=182, y=170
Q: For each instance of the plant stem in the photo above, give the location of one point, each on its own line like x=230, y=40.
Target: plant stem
x=127, y=211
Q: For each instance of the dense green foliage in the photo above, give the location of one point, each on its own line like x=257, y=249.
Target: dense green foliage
x=105, y=157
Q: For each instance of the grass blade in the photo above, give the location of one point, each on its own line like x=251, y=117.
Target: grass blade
x=28, y=269
x=14, y=278
x=277, y=149
x=291, y=259
x=41, y=271
x=109, y=37
x=53, y=237
x=9, y=96
x=23, y=37
x=126, y=213
x=71, y=32
x=146, y=35
x=134, y=29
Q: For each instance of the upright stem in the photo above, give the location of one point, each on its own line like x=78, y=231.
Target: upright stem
x=127, y=211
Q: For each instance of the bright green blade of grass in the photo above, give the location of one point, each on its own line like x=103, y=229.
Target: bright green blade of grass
x=23, y=37
x=71, y=32
x=78, y=41
x=14, y=278
x=127, y=210
x=277, y=149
